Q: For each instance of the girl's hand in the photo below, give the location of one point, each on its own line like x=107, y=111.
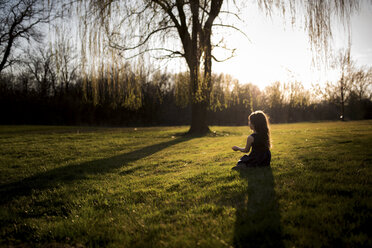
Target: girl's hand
x=235, y=148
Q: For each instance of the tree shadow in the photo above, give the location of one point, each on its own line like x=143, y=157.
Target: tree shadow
x=257, y=212
x=70, y=173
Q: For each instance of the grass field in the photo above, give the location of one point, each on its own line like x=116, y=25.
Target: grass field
x=154, y=187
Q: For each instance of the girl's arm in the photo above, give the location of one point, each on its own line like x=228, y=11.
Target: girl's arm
x=250, y=140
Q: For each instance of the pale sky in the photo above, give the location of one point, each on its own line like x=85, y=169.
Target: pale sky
x=275, y=54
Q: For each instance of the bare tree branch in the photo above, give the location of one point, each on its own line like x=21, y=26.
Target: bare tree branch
x=19, y=20
x=115, y=45
x=223, y=60
x=171, y=52
x=231, y=13
x=233, y=27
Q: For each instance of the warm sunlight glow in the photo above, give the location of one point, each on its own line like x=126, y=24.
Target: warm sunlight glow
x=272, y=55
x=278, y=53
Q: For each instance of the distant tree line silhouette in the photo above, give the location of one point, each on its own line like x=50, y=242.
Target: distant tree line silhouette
x=49, y=88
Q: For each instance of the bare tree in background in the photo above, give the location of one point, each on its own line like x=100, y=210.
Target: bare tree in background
x=40, y=64
x=361, y=79
x=64, y=56
x=343, y=63
x=18, y=21
x=156, y=25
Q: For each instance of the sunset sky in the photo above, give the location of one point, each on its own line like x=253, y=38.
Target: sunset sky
x=281, y=53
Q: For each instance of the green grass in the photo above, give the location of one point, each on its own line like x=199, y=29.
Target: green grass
x=153, y=187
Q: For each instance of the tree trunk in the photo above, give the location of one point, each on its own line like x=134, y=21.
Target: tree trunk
x=199, y=106
x=342, y=99
x=194, y=46
x=198, y=101
x=199, y=119
x=7, y=51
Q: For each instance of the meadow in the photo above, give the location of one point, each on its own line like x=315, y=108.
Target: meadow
x=155, y=187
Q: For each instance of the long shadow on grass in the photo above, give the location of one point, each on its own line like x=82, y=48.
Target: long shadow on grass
x=70, y=173
x=257, y=216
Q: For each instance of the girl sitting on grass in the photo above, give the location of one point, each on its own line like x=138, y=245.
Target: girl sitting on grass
x=259, y=140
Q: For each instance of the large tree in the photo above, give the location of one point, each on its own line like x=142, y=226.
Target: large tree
x=19, y=21
x=136, y=27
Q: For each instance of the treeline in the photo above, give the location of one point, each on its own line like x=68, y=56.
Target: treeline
x=81, y=80
x=48, y=88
